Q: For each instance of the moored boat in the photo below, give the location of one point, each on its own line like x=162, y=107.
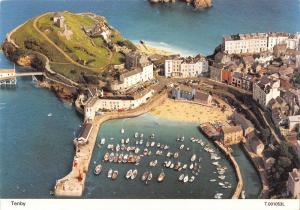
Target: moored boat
x=193, y=158
x=136, y=135
x=192, y=179
x=109, y=174
x=114, y=175
x=122, y=130
x=102, y=141
x=176, y=155
x=134, y=174
x=98, y=169
x=161, y=177
x=145, y=175
x=181, y=146
x=128, y=174
x=106, y=156
x=181, y=177
x=186, y=178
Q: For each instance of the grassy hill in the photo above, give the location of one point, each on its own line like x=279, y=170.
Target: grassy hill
x=73, y=54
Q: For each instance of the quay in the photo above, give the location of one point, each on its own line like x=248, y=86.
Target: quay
x=73, y=184
x=240, y=182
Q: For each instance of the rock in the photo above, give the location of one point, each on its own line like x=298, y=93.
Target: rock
x=198, y=4
x=161, y=1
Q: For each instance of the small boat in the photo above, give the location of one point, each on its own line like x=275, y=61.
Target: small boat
x=191, y=166
x=184, y=166
x=193, y=158
x=149, y=176
x=147, y=144
x=218, y=195
x=161, y=177
x=136, y=142
x=181, y=177
x=118, y=147
x=182, y=138
x=125, y=158
x=192, y=138
x=181, y=146
x=149, y=153
x=186, y=179
x=166, y=147
x=136, y=135
x=98, y=169
x=168, y=164
x=222, y=177
x=134, y=174
x=122, y=130
x=158, y=145
x=187, y=149
x=169, y=154
x=212, y=180
x=109, y=174
x=102, y=141
x=128, y=174
x=106, y=156
x=120, y=159
x=141, y=142
x=137, y=150
x=152, y=144
x=142, y=135
x=127, y=141
x=176, y=155
x=216, y=163
x=116, y=157
x=243, y=195
x=50, y=115
x=172, y=165
x=152, y=136
x=221, y=183
x=114, y=175
x=145, y=176
x=122, y=141
x=111, y=157
x=192, y=179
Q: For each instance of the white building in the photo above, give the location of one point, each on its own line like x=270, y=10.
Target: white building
x=116, y=103
x=293, y=184
x=179, y=68
x=259, y=42
x=133, y=77
x=7, y=73
x=265, y=89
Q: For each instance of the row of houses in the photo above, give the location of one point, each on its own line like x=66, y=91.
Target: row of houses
x=259, y=42
x=183, y=68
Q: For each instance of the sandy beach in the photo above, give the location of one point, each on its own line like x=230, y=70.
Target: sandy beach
x=150, y=50
x=188, y=112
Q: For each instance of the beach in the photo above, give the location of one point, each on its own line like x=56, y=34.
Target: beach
x=189, y=112
x=151, y=50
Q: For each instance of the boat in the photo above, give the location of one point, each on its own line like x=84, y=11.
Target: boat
x=141, y=142
x=192, y=179
x=109, y=174
x=158, y=145
x=50, y=115
x=182, y=138
x=181, y=146
x=98, y=169
x=193, y=158
x=192, y=138
x=122, y=141
x=181, y=177
x=128, y=174
x=122, y=130
x=187, y=149
x=184, y=166
x=114, y=175
x=222, y=177
x=218, y=195
x=153, y=163
x=136, y=135
x=152, y=144
x=137, y=150
x=176, y=155
x=191, y=166
x=142, y=135
x=168, y=164
x=172, y=165
x=134, y=174
x=102, y=141
x=111, y=157
x=152, y=136
x=166, y=147
x=116, y=157
x=147, y=144
x=221, y=184
x=212, y=180
x=125, y=158
x=243, y=195
x=136, y=142
x=120, y=159
x=118, y=147
x=149, y=153
x=127, y=141
x=186, y=179
x=106, y=156
x=216, y=163
x=169, y=154
x=161, y=177
x=149, y=176
x=145, y=176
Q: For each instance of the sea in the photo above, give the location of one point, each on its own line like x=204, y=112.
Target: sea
x=37, y=129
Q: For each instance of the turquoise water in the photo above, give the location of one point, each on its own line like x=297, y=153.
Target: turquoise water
x=37, y=149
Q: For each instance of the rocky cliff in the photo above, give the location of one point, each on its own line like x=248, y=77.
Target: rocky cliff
x=198, y=4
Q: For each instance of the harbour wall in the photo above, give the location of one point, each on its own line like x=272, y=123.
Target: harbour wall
x=73, y=184
x=240, y=182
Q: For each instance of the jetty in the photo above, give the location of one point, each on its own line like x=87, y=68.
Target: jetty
x=73, y=184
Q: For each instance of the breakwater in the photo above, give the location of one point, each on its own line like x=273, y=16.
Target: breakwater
x=73, y=184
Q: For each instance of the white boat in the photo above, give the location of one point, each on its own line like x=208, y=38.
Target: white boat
x=193, y=158
x=216, y=163
x=186, y=179
x=158, y=145
x=212, y=180
x=142, y=135
x=169, y=154
x=184, y=166
x=176, y=155
x=128, y=174
x=152, y=144
x=50, y=115
x=192, y=179
x=181, y=146
x=127, y=141
x=98, y=169
x=187, y=149
x=141, y=142
x=122, y=130
x=111, y=157
x=243, y=195
x=118, y=147
x=168, y=164
x=137, y=142
x=137, y=150
x=222, y=177
x=218, y=195
x=191, y=166
x=172, y=165
x=149, y=176
x=122, y=141
x=182, y=138
x=102, y=141
x=134, y=174
x=110, y=172
x=145, y=176
x=221, y=184
x=152, y=136
x=181, y=177
x=147, y=144
x=161, y=177
x=106, y=156
x=136, y=135
x=166, y=147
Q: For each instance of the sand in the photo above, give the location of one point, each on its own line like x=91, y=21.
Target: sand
x=149, y=50
x=189, y=112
